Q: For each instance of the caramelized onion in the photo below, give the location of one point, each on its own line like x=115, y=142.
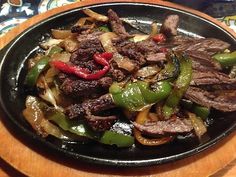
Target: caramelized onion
x=147, y=71
x=141, y=118
x=70, y=44
x=95, y=15
x=154, y=29
x=34, y=115
x=198, y=124
x=122, y=62
x=61, y=34
x=50, y=42
x=140, y=37
x=82, y=21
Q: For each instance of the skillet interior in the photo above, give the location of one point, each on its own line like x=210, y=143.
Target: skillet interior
x=12, y=90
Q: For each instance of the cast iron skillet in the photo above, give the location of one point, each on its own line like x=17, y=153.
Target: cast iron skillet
x=12, y=94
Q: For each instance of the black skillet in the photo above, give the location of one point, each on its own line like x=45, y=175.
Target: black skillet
x=12, y=93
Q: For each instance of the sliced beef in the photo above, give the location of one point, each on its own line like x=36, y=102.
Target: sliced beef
x=85, y=52
x=117, y=74
x=170, y=25
x=88, y=37
x=116, y=24
x=174, y=125
x=208, y=45
x=156, y=57
x=130, y=50
x=203, y=61
x=179, y=40
x=102, y=103
x=148, y=46
x=212, y=78
x=100, y=123
x=224, y=100
x=79, y=29
x=84, y=88
x=143, y=51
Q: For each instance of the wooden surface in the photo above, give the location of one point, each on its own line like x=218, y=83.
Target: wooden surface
x=32, y=160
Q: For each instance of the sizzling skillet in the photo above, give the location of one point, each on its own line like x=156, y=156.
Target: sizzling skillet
x=11, y=90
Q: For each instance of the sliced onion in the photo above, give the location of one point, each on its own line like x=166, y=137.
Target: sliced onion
x=232, y=73
x=154, y=29
x=70, y=44
x=140, y=37
x=50, y=42
x=52, y=129
x=33, y=61
x=48, y=95
x=61, y=34
x=122, y=62
x=95, y=15
x=65, y=57
x=106, y=40
x=198, y=125
x=50, y=74
x=147, y=71
x=82, y=21
x=34, y=115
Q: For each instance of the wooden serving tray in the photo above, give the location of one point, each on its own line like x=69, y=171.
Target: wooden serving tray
x=34, y=161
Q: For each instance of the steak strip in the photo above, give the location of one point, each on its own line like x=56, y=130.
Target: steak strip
x=224, y=100
x=99, y=123
x=211, y=78
x=87, y=48
x=116, y=24
x=102, y=103
x=208, y=45
x=174, y=125
x=203, y=61
x=170, y=25
x=80, y=87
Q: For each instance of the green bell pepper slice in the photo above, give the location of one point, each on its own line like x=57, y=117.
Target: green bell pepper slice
x=172, y=68
x=181, y=85
x=201, y=111
x=130, y=97
x=75, y=127
x=54, y=49
x=80, y=128
x=33, y=74
x=137, y=95
x=40, y=66
x=118, y=139
x=160, y=92
x=104, y=29
x=226, y=59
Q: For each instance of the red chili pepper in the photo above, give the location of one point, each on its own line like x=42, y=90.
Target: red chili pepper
x=84, y=72
x=159, y=38
x=98, y=74
x=106, y=55
x=102, y=58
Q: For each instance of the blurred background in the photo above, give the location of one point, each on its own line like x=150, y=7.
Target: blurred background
x=215, y=8
x=13, y=12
